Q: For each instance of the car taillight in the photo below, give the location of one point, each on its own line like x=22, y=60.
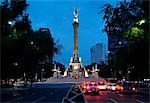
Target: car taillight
x=84, y=86
x=92, y=82
x=99, y=87
x=101, y=82
x=87, y=87
x=121, y=88
x=133, y=88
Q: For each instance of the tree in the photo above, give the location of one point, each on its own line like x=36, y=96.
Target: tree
x=13, y=12
x=130, y=21
x=22, y=48
x=39, y=47
x=121, y=18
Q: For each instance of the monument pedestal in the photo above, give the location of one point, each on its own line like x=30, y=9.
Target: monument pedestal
x=75, y=66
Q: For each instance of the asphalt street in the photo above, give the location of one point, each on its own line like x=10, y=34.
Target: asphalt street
x=112, y=97
x=52, y=93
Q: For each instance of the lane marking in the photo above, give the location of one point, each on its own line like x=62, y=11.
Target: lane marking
x=140, y=96
x=139, y=101
x=38, y=100
x=113, y=100
x=16, y=94
x=15, y=99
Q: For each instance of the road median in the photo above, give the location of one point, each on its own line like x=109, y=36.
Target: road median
x=74, y=95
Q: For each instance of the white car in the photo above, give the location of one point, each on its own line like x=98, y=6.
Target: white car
x=91, y=87
x=102, y=85
x=111, y=84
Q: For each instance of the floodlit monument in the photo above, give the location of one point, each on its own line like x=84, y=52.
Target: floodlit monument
x=75, y=61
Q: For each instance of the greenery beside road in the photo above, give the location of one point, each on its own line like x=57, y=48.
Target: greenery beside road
x=23, y=49
x=129, y=21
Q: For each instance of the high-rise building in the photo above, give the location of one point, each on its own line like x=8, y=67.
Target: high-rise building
x=98, y=53
x=114, y=42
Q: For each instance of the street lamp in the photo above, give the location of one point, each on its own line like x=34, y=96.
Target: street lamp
x=16, y=73
x=42, y=72
x=141, y=22
x=58, y=70
x=10, y=22
x=119, y=42
x=31, y=42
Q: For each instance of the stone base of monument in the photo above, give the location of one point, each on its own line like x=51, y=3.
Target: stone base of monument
x=56, y=75
x=86, y=74
x=95, y=75
x=80, y=74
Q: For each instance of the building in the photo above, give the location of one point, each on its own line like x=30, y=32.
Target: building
x=46, y=30
x=98, y=53
x=114, y=42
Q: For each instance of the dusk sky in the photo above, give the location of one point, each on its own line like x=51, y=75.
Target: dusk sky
x=57, y=15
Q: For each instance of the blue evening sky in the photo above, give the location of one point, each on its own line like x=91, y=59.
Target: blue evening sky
x=57, y=15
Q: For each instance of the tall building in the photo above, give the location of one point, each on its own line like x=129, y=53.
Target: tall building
x=114, y=42
x=98, y=53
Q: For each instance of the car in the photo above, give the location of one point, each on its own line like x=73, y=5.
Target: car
x=102, y=85
x=111, y=84
x=119, y=88
x=112, y=87
x=90, y=87
x=83, y=85
x=127, y=88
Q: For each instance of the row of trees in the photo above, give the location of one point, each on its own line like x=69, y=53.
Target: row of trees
x=103, y=69
x=22, y=48
x=129, y=20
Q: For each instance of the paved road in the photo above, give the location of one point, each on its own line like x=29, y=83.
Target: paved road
x=112, y=97
x=52, y=93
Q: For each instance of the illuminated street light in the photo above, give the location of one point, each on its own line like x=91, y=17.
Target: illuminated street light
x=31, y=42
x=120, y=42
x=10, y=22
x=141, y=22
x=15, y=64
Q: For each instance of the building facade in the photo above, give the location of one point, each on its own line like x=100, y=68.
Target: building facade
x=98, y=54
x=114, y=42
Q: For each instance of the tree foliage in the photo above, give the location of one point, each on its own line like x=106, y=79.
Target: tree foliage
x=22, y=48
x=12, y=38
x=129, y=20
x=123, y=17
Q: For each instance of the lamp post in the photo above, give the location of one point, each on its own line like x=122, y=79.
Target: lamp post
x=42, y=72
x=31, y=42
x=15, y=67
x=24, y=75
x=58, y=70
